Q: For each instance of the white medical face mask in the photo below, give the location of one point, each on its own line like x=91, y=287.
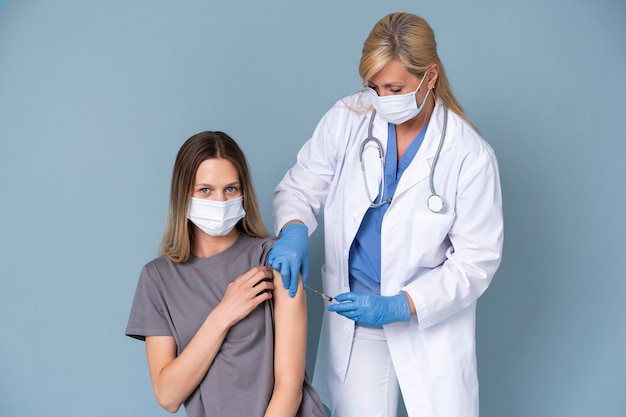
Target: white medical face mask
x=216, y=218
x=397, y=109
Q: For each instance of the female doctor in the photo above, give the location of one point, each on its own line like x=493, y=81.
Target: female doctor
x=413, y=233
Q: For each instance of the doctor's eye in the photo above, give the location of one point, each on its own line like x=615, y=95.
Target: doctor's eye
x=204, y=190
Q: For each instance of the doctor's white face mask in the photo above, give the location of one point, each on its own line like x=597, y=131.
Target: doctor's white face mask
x=397, y=109
x=216, y=218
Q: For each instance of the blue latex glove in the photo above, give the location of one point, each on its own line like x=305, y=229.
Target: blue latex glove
x=373, y=310
x=290, y=255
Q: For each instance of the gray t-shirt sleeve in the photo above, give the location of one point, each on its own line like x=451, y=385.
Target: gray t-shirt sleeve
x=266, y=248
x=148, y=314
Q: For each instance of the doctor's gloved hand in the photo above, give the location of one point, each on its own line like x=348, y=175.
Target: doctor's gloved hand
x=290, y=255
x=373, y=310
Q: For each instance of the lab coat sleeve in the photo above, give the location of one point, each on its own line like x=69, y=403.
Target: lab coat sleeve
x=302, y=192
x=476, y=238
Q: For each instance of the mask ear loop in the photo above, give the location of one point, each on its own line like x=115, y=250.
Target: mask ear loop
x=427, y=92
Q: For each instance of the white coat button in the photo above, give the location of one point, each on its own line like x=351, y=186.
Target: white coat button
x=340, y=369
x=355, y=214
x=346, y=328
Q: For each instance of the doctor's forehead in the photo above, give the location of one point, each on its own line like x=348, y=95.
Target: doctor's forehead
x=393, y=73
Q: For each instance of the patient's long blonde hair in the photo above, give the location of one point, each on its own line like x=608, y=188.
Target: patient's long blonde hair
x=177, y=239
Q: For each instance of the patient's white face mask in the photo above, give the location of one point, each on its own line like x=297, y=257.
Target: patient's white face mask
x=216, y=218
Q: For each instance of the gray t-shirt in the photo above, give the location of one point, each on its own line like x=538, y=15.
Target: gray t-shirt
x=174, y=299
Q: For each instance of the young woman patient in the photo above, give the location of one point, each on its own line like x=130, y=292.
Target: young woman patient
x=221, y=337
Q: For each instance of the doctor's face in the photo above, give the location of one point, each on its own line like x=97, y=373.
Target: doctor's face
x=395, y=79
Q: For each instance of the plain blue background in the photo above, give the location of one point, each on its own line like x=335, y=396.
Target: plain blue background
x=97, y=97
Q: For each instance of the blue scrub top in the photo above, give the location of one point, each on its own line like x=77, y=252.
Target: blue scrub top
x=365, y=252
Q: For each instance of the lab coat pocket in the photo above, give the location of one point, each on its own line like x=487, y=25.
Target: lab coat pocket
x=428, y=234
x=450, y=345
x=331, y=284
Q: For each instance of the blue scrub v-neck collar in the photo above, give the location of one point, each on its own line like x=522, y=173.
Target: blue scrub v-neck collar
x=393, y=167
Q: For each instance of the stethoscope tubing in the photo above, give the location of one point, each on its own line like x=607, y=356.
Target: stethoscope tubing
x=434, y=202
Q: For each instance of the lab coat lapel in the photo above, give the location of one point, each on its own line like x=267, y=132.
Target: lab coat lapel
x=419, y=169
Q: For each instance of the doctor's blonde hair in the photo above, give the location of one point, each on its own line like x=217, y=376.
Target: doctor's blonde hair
x=409, y=39
x=177, y=239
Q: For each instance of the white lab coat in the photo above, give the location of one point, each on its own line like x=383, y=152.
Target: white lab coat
x=444, y=261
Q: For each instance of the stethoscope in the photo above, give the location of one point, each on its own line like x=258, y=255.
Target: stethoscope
x=435, y=202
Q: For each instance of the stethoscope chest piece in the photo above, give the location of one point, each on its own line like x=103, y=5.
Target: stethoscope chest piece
x=435, y=203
